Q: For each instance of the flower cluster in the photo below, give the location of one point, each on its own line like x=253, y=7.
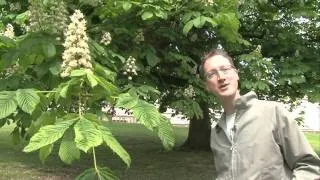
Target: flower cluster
x=189, y=92
x=50, y=16
x=9, y=32
x=208, y=2
x=258, y=49
x=130, y=68
x=106, y=38
x=9, y=71
x=15, y=6
x=76, y=53
x=139, y=37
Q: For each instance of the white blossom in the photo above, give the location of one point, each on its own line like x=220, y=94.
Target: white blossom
x=139, y=37
x=15, y=6
x=189, y=92
x=130, y=68
x=106, y=38
x=208, y=2
x=9, y=32
x=50, y=16
x=76, y=53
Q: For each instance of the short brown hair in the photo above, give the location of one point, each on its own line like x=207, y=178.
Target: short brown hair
x=214, y=52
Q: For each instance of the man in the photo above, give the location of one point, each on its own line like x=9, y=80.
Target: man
x=254, y=139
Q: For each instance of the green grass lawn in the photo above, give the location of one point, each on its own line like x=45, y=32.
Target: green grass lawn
x=148, y=161
x=314, y=140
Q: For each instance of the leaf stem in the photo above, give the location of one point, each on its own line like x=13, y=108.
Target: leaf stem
x=79, y=101
x=95, y=162
x=45, y=91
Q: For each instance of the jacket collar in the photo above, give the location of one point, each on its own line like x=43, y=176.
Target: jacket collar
x=242, y=103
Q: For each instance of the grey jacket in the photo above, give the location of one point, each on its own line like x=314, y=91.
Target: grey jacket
x=267, y=144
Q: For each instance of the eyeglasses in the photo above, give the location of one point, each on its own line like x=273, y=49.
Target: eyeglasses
x=214, y=73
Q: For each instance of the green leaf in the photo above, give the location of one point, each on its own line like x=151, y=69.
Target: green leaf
x=101, y=174
x=3, y=2
x=7, y=41
x=162, y=14
x=189, y=107
x=63, y=89
x=104, y=72
x=55, y=68
x=127, y=101
x=197, y=22
x=108, y=86
x=68, y=151
x=8, y=105
x=146, y=15
x=87, y=135
x=92, y=117
x=186, y=17
x=196, y=109
x=49, y=49
x=166, y=133
x=114, y=145
x=46, y=118
x=187, y=27
x=78, y=72
x=48, y=135
x=152, y=59
x=126, y=5
x=147, y=114
x=44, y=152
x=2, y=122
x=92, y=79
x=27, y=99
x=15, y=135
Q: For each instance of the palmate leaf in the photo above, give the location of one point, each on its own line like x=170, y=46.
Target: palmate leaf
x=114, y=145
x=148, y=115
x=87, y=135
x=165, y=133
x=48, y=135
x=8, y=105
x=27, y=99
x=100, y=174
x=68, y=151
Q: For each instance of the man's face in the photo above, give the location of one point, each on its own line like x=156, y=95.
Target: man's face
x=220, y=76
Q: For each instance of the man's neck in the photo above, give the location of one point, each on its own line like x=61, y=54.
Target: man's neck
x=228, y=103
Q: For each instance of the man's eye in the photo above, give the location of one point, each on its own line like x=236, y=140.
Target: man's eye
x=212, y=73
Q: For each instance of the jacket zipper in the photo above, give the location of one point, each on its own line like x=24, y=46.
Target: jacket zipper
x=233, y=148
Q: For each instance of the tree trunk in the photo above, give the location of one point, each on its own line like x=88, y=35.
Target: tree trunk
x=199, y=132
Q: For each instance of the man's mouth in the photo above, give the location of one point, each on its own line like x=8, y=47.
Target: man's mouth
x=223, y=86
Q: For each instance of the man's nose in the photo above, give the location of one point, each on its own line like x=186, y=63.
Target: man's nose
x=220, y=75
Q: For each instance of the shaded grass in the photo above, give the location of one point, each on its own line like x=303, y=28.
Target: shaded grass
x=149, y=162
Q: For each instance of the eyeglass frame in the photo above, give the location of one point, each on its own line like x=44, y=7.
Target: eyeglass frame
x=215, y=72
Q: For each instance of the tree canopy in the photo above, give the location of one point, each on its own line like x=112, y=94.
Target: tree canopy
x=61, y=61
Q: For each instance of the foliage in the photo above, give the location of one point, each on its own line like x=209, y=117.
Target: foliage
x=287, y=36
x=144, y=53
